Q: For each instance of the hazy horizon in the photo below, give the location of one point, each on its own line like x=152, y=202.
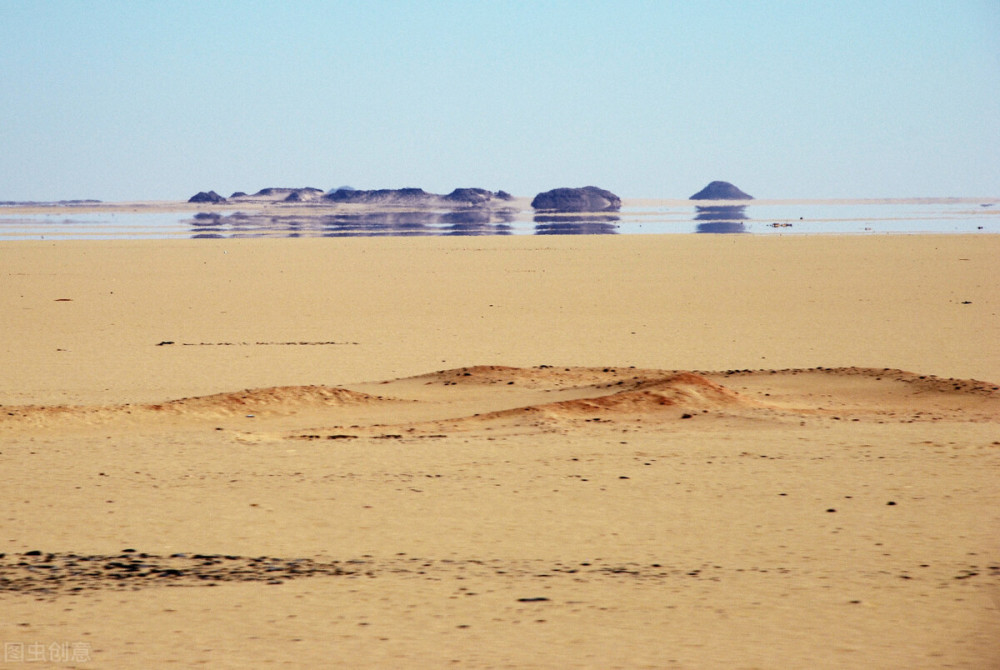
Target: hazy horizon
x=149, y=101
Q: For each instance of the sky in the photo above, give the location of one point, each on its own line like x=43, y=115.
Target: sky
x=157, y=100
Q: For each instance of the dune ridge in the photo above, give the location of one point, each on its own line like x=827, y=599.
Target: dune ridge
x=547, y=394
x=275, y=400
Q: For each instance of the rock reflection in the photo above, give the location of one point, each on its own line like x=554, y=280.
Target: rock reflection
x=206, y=225
x=476, y=221
x=546, y=224
x=377, y=224
x=721, y=219
x=471, y=221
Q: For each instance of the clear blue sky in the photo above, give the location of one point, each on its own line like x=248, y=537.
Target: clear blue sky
x=138, y=99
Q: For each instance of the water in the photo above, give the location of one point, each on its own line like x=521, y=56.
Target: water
x=766, y=218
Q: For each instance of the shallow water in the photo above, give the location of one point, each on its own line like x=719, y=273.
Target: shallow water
x=752, y=218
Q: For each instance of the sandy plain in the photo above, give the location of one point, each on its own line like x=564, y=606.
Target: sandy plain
x=639, y=451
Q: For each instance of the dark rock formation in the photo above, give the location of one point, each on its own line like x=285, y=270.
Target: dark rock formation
x=276, y=191
x=389, y=197
x=721, y=190
x=470, y=196
x=385, y=196
x=202, y=196
x=303, y=195
x=586, y=199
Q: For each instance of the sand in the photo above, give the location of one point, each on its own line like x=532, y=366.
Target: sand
x=640, y=451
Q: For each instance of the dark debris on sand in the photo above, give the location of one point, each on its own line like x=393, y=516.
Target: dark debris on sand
x=47, y=575
x=43, y=573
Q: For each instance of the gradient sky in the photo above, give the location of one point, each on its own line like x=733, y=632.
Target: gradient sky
x=158, y=100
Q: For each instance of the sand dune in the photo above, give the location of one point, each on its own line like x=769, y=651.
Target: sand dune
x=547, y=394
x=264, y=402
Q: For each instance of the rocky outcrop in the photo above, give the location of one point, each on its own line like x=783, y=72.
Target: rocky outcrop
x=474, y=197
x=586, y=199
x=303, y=195
x=209, y=197
x=384, y=196
x=470, y=196
x=721, y=190
x=275, y=191
x=388, y=197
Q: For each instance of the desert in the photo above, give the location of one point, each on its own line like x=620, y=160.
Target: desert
x=683, y=451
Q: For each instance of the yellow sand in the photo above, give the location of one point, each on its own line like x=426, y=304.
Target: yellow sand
x=462, y=488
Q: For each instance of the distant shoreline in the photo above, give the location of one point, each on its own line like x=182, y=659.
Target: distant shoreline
x=519, y=202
